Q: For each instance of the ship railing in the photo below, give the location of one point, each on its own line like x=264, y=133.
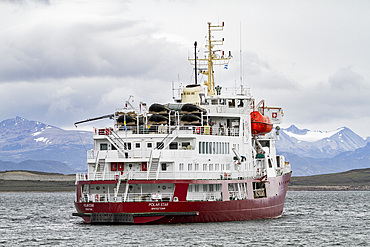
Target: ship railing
x=131, y=197
x=91, y=154
x=85, y=176
x=204, y=196
x=231, y=91
x=149, y=197
x=113, y=154
x=165, y=129
x=215, y=131
x=85, y=197
x=124, y=175
x=287, y=168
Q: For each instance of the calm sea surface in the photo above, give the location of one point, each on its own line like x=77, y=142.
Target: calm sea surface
x=309, y=219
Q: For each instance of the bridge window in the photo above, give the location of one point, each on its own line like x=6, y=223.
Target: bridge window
x=204, y=167
x=127, y=145
x=185, y=145
x=173, y=145
x=217, y=167
x=164, y=167
x=240, y=103
x=190, y=166
x=231, y=103
x=103, y=146
x=181, y=166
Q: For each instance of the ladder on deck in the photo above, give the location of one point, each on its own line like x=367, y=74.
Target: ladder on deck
x=116, y=141
x=155, y=155
x=153, y=170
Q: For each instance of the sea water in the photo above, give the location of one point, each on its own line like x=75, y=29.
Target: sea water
x=309, y=219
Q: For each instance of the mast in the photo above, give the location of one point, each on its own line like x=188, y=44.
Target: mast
x=213, y=58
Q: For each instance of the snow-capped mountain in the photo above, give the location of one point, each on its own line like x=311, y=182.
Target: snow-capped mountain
x=305, y=166
x=318, y=144
x=318, y=152
x=22, y=139
x=32, y=145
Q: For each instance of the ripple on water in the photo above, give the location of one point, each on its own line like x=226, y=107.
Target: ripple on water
x=309, y=219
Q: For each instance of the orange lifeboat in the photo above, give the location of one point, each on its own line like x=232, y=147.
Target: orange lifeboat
x=260, y=124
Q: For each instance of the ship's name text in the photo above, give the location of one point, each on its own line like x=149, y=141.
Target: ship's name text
x=158, y=204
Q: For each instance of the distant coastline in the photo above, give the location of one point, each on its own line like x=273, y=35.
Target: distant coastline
x=358, y=179
x=30, y=181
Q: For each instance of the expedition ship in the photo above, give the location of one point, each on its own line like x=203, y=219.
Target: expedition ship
x=210, y=156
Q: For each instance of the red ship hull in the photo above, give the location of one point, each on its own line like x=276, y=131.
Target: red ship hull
x=186, y=211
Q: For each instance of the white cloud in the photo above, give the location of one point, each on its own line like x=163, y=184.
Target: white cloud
x=63, y=61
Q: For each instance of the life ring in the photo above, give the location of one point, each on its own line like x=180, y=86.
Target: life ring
x=198, y=130
x=274, y=115
x=97, y=197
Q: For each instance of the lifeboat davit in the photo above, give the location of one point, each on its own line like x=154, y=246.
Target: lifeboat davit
x=260, y=124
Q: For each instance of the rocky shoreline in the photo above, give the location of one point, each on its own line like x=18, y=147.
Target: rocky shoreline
x=328, y=188
x=26, y=181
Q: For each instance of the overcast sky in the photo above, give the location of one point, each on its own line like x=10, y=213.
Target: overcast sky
x=65, y=61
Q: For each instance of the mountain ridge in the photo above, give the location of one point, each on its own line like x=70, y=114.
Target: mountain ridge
x=38, y=143
x=318, y=144
x=22, y=139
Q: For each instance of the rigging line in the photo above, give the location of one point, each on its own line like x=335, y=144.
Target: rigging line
x=81, y=139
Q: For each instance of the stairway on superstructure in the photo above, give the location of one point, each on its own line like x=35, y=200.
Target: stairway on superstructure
x=156, y=153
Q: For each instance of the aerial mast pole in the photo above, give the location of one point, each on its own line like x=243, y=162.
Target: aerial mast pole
x=210, y=83
x=195, y=57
